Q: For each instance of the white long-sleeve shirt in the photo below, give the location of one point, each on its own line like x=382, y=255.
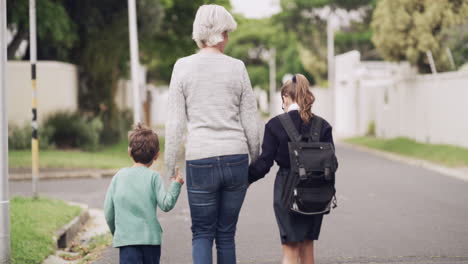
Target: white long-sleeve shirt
x=210, y=94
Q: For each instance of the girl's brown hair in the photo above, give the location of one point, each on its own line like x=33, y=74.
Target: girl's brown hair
x=298, y=90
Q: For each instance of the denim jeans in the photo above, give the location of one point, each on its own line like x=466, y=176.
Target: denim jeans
x=216, y=190
x=140, y=254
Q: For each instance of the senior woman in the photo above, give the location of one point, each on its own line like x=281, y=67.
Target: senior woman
x=211, y=95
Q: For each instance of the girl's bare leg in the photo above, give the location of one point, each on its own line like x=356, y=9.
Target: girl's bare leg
x=291, y=253
x=306, y=252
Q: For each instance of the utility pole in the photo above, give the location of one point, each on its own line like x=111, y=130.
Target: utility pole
x=331, y=63
x=134, y=61
x=272, y=67
x=33, y=60
x=4, y=199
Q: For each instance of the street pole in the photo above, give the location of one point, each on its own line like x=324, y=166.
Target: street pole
x=4, y=199
x=272, y=67
x=331, y=65
x=33, y=60
x=134, y=61
x=431, y=62
x=450, y=57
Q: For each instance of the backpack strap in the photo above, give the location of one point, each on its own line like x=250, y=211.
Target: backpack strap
x=316, y=128
x=288, y=125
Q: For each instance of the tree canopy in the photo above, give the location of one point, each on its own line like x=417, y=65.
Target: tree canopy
x=94, y=36
x=253, y=39
x=407, y=29
x=307, y=20
x=173, y=39
x=54, y=26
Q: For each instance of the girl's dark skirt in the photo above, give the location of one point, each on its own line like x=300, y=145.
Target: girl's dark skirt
x=293, y=227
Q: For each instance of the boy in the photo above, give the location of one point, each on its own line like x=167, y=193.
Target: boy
x=132, y=197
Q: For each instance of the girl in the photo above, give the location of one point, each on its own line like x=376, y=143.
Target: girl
x=298, y=232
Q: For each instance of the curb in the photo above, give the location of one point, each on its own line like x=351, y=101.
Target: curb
x=451, y=172
x=65, y=235
x=64, y=174
x=94, y=227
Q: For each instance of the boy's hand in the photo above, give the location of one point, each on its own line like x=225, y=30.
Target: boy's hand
x=177, y=177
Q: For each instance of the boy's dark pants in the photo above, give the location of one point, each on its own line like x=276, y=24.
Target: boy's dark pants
x=140, y=254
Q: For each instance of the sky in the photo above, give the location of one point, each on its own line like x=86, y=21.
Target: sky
x=256, y=8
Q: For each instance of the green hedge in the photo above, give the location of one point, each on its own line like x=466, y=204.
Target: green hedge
x=73, y=130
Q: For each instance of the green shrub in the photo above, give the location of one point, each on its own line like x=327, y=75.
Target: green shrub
x=67, y=129
x=72, y=130
x=126, y=121
x=19, y=137
x=116, y=127
x=95, y=130
x=371, y=129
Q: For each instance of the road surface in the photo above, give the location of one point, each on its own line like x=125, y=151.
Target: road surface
x=388, y=212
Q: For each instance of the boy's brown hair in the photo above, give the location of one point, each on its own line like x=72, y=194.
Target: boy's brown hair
x=143, y=144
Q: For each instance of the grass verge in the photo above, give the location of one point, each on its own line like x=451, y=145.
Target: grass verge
x=111, y=157
x=448, y=155
x=33, y=223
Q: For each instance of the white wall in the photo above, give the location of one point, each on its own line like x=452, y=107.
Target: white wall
x=323, y=105
x=158, y=98
x=427, y=108
x=57, y=89
x=159, y=108
x=123, y=95
x=262, y=99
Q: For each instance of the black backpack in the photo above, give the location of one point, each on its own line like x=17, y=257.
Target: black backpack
x=310, y=186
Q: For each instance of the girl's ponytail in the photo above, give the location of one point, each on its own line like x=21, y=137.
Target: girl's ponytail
x=304, y=97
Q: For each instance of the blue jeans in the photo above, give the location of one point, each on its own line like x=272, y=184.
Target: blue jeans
x=216, y=190
x=140, y=254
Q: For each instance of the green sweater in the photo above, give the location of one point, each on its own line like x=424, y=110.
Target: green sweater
x=130, y=206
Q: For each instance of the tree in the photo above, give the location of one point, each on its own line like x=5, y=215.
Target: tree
x=253, y=38
x=356, y=40
x=94, y=36
x=407, y=29
x=102, y=52
x=458, y=44
x=358, y=35
x=54, y=27
x=307, y=19
x=173, y=38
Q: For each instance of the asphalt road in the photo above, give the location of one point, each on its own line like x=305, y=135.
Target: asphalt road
x=388, y=212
